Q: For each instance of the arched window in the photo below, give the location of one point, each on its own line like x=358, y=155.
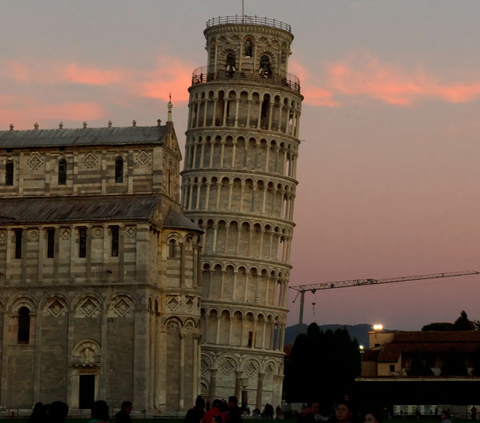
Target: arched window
x=265, y=70
x=23, y=326
x=248, y=47
x=172, y=246
x=230, y=65
x=9, y=173
x=119, y=170
x=62, y=172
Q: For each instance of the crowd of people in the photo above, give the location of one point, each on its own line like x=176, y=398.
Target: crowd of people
x=219, y=412
x=57, y=412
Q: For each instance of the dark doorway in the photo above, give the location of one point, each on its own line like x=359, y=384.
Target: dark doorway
x=87, y=391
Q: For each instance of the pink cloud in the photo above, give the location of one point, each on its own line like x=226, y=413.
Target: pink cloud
x=171, y=75
x=365, y=76
x=93, y=76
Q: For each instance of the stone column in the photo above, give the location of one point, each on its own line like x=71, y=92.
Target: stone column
x=222, y=152
x=141, y=359
x=202, y=153
x=236, y=112
x=238, y=384
x=199, y=267
x=181, y=394
x=213, y=384
x=258, y=402
x=234, y=151
x=162, y=371
x=282, y=338
x=207, y=195
x=215, y=102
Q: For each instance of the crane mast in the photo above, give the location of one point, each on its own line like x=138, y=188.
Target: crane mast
x=302, y=289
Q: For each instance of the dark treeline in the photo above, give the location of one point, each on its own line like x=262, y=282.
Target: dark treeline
x=322, y=366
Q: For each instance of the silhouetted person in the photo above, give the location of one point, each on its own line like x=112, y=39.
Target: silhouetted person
x=195, y=414
x=57, y=412
x=99, y=412
x=39, y=415
x=123, y=416
x=234, y=413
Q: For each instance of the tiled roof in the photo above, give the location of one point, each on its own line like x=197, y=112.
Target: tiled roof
x=74, y=209
x=428, y=342
x=84, y=137
x=175, y=220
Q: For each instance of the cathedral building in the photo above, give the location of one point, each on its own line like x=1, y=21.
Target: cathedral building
x=239, y=184
x=100, y=271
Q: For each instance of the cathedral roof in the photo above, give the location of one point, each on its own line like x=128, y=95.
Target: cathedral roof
x=84, y=136
x=175, y=220
x=77, y=209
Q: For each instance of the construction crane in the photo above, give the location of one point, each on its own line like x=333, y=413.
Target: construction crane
x=302, y=289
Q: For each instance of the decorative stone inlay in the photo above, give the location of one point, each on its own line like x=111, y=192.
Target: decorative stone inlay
x=173, y=302
x=35, y=161
x=131, y=231
x=269, y=371
x=55, y=307
x=33, y=235
x=88, y=307
x=188, y=245
x=90, y=160
x=205, y=363
x=122, y=306
x=190, y=302
x=3, y=235
x=227, y=366
x=65, y=233
x=97, y=232
x=143, y=157
x=251, y=368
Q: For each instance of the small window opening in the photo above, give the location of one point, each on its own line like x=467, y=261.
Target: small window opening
x=9, y=174
x=230, y=65
x=119, y=170
x=23, y=326
x=18, y=243
x=115, y=240
x=250, y=339
x=248, y=48
x=50, y=243
x=62, y=172
x=265, y=70
x=172, y=245
x=82, y=246
x=392, y=367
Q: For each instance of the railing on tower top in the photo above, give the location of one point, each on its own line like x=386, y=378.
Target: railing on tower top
x=244, y=19
x=202, y=75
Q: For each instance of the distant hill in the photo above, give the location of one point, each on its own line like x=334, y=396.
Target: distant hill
x=356, y=331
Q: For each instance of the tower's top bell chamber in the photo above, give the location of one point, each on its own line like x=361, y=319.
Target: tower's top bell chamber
x=247, y=48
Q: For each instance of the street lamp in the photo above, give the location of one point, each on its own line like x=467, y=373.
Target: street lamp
x=377, y=327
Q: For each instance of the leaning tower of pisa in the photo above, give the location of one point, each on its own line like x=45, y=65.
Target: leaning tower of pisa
x=239, y=184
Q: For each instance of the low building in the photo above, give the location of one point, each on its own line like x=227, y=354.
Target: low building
x=403, y=367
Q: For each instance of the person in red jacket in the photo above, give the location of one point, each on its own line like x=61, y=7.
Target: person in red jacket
x=214, y=411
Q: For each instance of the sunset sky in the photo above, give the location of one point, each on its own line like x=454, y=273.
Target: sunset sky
x=389, y=167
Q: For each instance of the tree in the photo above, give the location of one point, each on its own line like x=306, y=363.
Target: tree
x=462, y=323
x=322, y=365
x=438, y=326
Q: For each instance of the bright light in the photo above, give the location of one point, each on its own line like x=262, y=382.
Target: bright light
x=361, y=347
x=377, y=327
